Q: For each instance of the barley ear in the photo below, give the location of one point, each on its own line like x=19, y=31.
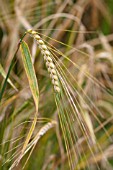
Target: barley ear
x=48, y=60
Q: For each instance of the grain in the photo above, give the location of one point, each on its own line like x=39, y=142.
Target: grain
x=48, y=60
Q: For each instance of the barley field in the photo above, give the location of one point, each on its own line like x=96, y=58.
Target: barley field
x=56, y=85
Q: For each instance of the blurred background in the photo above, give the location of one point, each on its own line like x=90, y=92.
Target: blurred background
x=82, y=30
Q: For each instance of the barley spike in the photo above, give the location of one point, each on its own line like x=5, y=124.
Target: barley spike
x=48, y=60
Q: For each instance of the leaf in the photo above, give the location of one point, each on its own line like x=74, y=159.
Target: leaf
x=30, y=72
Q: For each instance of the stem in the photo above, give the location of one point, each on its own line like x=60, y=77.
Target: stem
x=10, y=67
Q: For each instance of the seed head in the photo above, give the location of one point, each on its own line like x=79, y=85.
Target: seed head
x=48, y=60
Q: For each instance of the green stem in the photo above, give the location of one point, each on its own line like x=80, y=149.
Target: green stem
x=10, y=67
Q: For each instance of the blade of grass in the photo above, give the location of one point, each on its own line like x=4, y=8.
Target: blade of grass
x=2, y=72
x=8, y=73
x=10, y=68
x=30, y=72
